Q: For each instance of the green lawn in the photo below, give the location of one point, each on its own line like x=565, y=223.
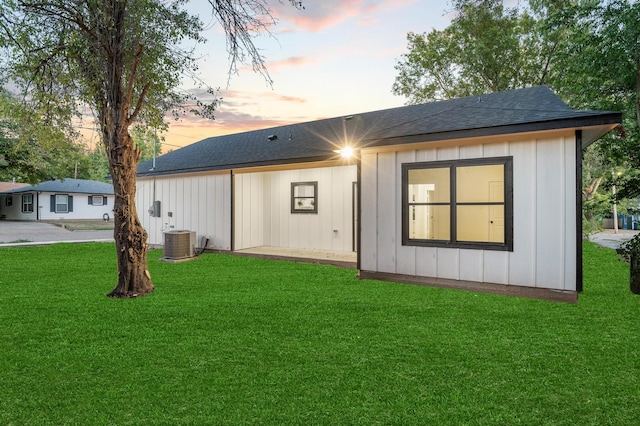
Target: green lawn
x=234, y=340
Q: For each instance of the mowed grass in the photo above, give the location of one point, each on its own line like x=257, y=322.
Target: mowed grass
x=234, y=340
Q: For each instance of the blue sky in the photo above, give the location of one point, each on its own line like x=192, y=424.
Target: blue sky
x=332, y=58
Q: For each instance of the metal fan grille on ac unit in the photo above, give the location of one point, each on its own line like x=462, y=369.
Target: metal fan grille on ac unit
x=179, y=244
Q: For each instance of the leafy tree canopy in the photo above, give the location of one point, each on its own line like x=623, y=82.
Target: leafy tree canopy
x=33, y=149
x=125, y=59
x=585, y=50
x=486, y=48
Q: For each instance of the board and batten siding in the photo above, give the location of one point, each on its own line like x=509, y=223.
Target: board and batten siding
x=544, y=217
x=200, y=203
x=263, y=217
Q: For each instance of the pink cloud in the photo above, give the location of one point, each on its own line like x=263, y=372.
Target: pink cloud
x=235, y=99
x=194, y=129
x=275, y=66
x=230, y=117
x=294, y=61
x=318, y=15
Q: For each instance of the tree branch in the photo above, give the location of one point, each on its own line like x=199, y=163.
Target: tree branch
x=131, y=84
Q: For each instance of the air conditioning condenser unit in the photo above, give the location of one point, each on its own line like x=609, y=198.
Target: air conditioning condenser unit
x=179, y=245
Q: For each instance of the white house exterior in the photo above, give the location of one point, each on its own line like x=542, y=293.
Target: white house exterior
x=199, y=202
x=543, y=225
x=481, y=193
x=69, y=199
x=262, y=214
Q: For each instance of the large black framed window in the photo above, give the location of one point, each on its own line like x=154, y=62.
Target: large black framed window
x=458, y=204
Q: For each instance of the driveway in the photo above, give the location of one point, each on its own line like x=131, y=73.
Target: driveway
x=40, y=233
x=608, y=238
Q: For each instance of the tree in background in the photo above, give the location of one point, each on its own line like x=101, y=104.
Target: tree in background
x=93, y=164
x=603, y=72
x=486, y=48
x=587, y=51
x=601, y=62
x=32, y=148
x=147, y=142
x=124, y=59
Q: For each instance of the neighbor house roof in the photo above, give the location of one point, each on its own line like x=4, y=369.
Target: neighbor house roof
x=7, y=186
x=523, y=110
x=67, y=186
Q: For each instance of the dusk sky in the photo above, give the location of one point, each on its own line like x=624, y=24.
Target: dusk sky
x=333, y=58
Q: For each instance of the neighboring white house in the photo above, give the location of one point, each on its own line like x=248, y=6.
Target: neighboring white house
x=482, y=193
x=70, y=199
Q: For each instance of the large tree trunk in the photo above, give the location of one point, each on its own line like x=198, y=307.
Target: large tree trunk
x=131, y=239
x=116, y=115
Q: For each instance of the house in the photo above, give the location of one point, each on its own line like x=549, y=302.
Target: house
x=480, y=193
x=70, y=199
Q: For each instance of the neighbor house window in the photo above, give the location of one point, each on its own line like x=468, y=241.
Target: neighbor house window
x=61, y=203
x=8, y=201
x=96, y=200
x=464, y=204
x=27, y=203
x=304, y=197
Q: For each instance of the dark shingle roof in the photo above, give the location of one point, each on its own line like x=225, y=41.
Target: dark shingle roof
x=535, y=108
x=68, y=186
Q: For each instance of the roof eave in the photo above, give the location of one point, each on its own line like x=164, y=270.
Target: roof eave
x=606, y=121
x=238, y=166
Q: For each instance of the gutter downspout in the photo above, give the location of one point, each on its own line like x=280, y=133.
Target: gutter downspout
x=359, y=212
x=579, y=275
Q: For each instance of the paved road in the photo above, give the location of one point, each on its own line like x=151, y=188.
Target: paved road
x=39, y=233
x=608, y=238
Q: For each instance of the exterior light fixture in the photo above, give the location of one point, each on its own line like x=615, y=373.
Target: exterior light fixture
x=272, y=137
x=346, y=152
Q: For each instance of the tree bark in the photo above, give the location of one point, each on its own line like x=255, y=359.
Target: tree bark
x=134, y=279
x=634, y=275
x=116, y=115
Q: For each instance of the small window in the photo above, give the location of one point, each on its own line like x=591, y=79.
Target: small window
x=8, y=201
x=62, y=203
x=27, y=203
x=304, y=197
x=97, y=200
x=462, y=204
